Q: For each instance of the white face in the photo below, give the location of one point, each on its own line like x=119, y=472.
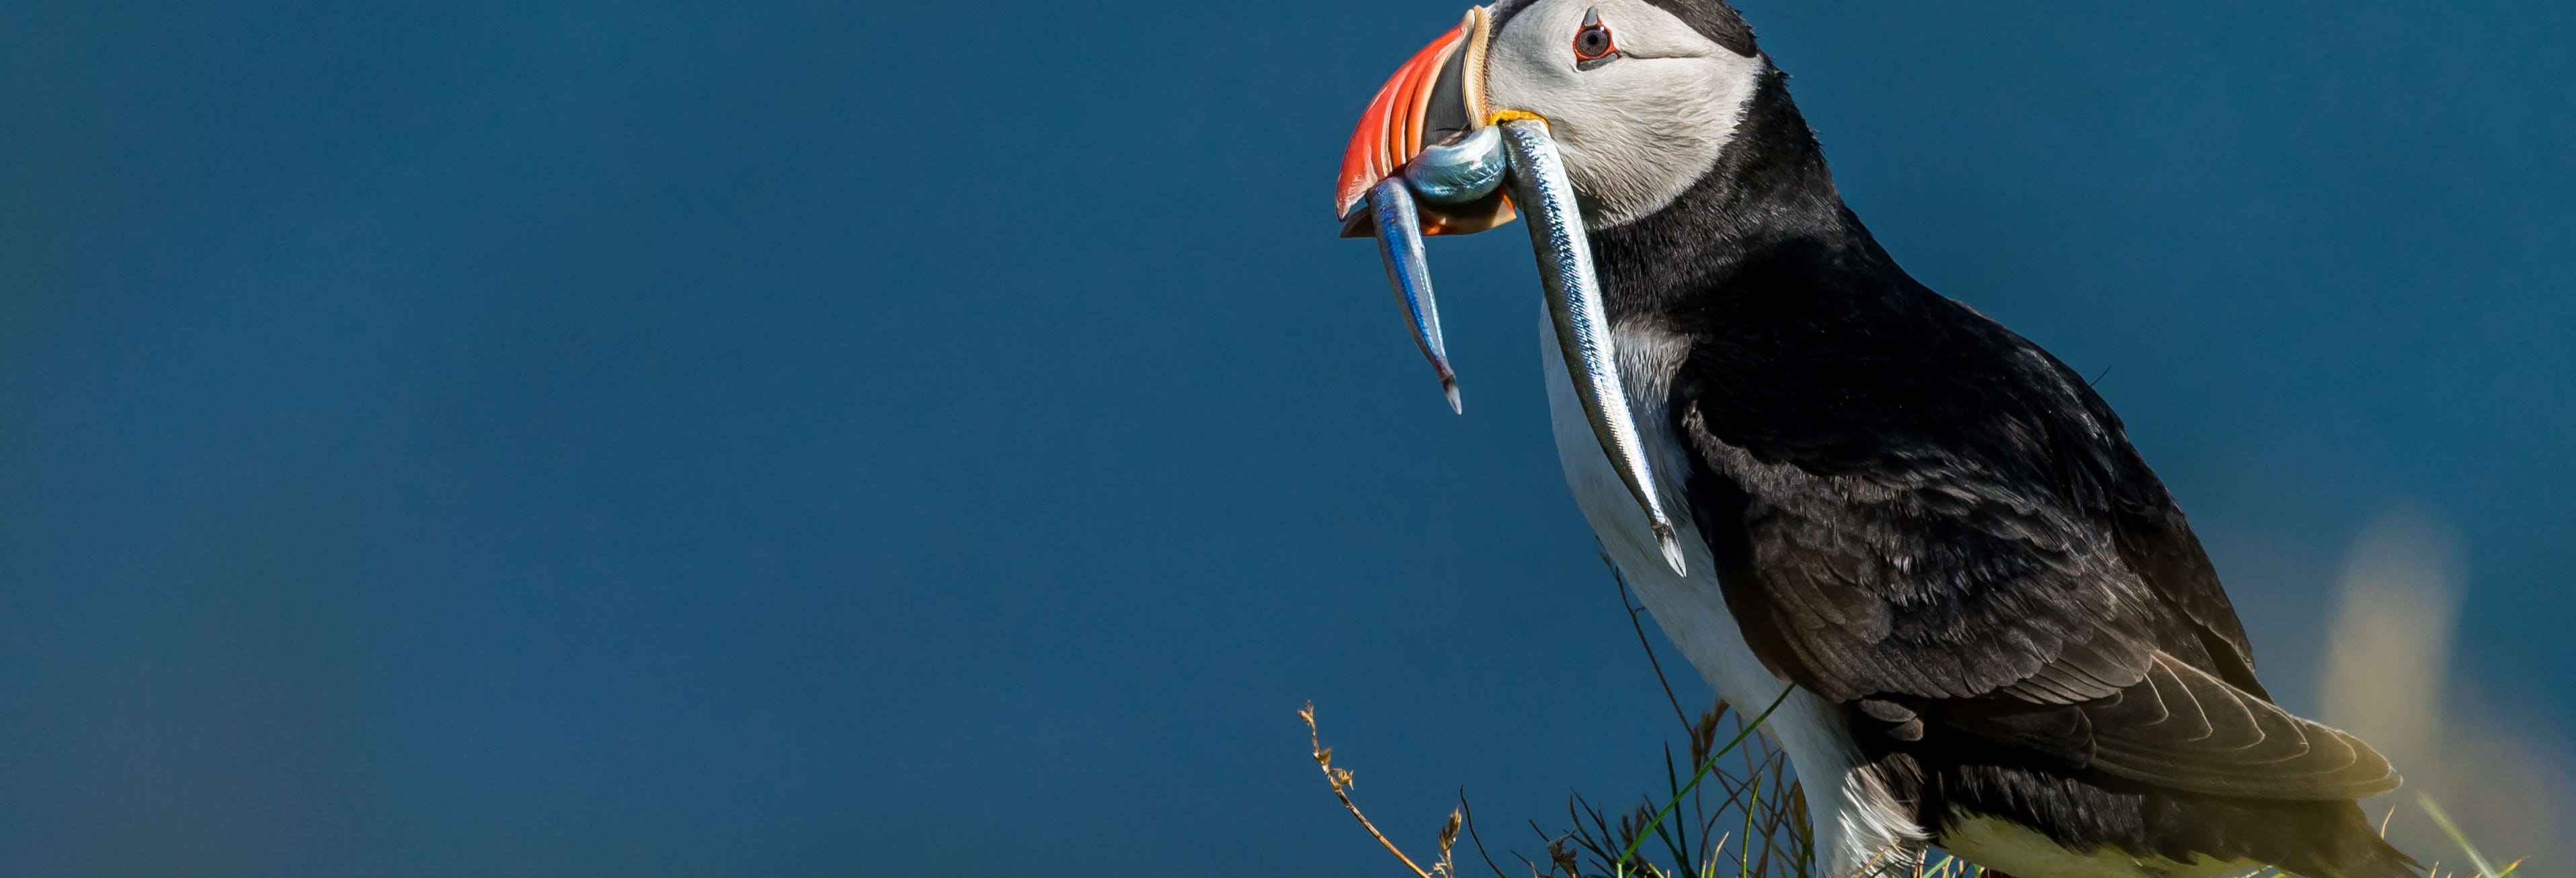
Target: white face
x=1637, y=127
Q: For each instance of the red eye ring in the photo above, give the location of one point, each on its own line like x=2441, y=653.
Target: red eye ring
x=1594, y=42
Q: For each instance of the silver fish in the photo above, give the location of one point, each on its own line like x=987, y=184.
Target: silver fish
x=1399, y=240
x=1540, y=187
x=1462, y=171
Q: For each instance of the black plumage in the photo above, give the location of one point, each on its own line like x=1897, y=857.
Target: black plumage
x=1925, y=517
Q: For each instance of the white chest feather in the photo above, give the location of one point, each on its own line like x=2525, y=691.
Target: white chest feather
x=1857, y=825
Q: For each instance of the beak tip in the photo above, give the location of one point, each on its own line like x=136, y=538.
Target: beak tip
x=1449, y=386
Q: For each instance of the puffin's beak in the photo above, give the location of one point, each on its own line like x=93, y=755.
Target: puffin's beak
x=1434, y=98
x=1431, y=158
x=1434, y=102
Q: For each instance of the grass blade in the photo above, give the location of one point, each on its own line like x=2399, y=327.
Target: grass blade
x=2485, y=869
x=1702, y=774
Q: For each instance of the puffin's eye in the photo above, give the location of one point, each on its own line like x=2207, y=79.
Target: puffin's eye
x=1593, y=44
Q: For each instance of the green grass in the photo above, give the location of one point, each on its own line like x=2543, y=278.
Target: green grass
x=1740, y=813
x=2476, y=858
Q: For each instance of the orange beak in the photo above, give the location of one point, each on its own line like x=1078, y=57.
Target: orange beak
x=1436, y=95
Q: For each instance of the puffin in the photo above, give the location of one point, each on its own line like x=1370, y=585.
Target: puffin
x=1983, y=623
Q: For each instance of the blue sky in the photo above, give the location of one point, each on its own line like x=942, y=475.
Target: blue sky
x=829, y=439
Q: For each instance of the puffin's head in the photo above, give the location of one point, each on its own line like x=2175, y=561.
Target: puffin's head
x=1641, y=97
x=1588, y=114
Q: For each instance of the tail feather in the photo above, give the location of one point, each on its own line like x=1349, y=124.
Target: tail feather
x=2083, y=812
x=2354, y=850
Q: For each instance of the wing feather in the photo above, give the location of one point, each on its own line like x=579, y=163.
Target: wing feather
x=1964, y=529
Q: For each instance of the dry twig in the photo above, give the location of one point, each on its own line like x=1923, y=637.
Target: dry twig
x=1340, y=778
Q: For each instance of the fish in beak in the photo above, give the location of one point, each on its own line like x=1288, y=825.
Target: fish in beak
x=1431, y=158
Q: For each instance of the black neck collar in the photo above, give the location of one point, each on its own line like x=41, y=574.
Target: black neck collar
x=1769, y=199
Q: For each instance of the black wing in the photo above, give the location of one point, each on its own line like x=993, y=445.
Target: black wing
x=1918, y=511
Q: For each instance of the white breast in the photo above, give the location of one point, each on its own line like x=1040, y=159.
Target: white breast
x=1857, y=824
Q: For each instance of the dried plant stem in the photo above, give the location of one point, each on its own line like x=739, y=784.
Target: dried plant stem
x=1340, y=778
x=1634, y=622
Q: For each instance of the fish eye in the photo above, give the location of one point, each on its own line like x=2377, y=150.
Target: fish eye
x=1593, y=45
